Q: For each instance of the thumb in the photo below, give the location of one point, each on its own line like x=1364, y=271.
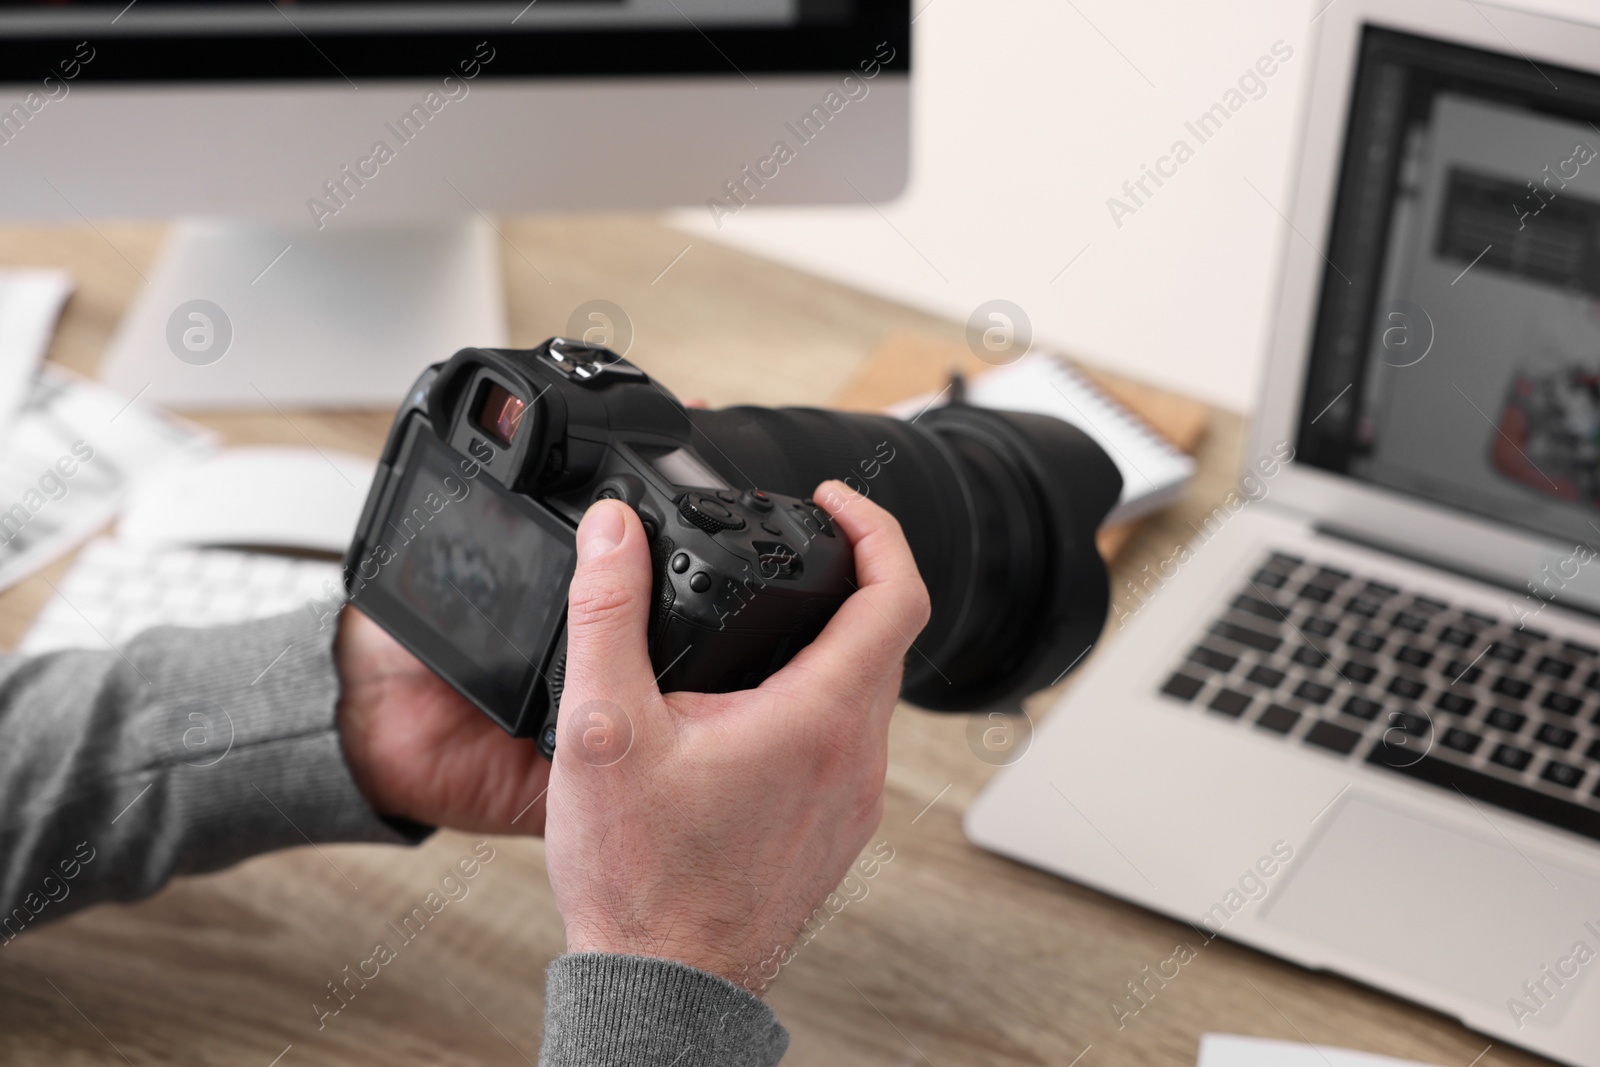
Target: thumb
x=608, y=609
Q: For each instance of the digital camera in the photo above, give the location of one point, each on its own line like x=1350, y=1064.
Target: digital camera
x=466, y=546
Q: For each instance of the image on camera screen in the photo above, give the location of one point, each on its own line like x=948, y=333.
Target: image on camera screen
x=471, y=564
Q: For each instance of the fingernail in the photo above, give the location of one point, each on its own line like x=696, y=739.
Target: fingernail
x=600, y=531
x=833, y=493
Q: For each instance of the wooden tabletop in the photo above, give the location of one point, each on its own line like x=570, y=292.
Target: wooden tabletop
x=954, y=957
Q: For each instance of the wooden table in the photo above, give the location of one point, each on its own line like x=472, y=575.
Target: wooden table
x=954, y=957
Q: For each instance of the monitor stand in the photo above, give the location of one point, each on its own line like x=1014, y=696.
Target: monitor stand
x=243, y=316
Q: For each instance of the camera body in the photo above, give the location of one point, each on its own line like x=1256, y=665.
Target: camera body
x=466, y=546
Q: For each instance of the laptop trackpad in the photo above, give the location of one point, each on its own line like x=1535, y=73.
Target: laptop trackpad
x=1464, y=912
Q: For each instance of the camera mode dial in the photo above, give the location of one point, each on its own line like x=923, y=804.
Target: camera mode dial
x=708, y=513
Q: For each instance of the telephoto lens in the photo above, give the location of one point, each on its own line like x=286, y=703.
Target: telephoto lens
x=1000, y=509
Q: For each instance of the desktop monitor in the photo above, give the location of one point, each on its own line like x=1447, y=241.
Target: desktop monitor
x=338, y=166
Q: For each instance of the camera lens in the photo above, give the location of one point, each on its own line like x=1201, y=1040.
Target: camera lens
x=1000, y=509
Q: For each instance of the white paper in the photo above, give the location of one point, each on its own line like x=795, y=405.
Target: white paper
x=71, y=424
x=1229, y=1050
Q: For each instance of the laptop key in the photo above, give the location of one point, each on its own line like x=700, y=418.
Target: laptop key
x=1230, y=702
x=1182, y=686
x=1563, y=774
x=1459, y=670
x=1269, y=579
x=1244, y=635
x=1317, y=626
x=1266, y=676
x=1480, y=618
x=1317, y=594
x=1561, y=703
x=1405, y=620
x=1454, y=635
x=1283, y=561
x=1328, y=735
x=1555, y=668
x=1313, y=693
x=1363, y=606
x=1361, y=708
x=1580, y=649
x=1358, y=672
x=1511, y=756
x=1262, y=608
x=1593, y=751
x=1455, y=703
x=1278, y=719
x=1593, y=681
x=1413, y=656
x=1511, y=687
x=1406, y=688
x=1506, y=653
x=1556, y=736
x=1381, y=590
x=1210, y=657
x=1428, y=604
x=1367, y=641
x=1507, y=720
x=1307, y=656
x=1407, y=723
x=1461, y=740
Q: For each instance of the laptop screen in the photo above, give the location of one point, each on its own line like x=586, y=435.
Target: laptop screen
x=1456, y=356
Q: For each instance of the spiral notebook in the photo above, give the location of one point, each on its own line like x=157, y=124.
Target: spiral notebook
x=1154, y=472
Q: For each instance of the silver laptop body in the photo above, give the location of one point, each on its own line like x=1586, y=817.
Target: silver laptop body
x=1356, y=722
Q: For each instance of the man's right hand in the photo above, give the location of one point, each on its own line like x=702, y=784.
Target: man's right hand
x=705, y=828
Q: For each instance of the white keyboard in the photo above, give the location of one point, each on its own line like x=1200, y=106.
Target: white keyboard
x=115, y=591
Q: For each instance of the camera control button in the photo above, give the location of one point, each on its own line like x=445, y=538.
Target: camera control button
x=700, y=582
x=771, y=529
x=757, y=500
x=680, y=563
x=713, y=507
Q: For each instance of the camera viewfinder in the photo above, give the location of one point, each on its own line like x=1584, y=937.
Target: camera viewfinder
x=500, y=413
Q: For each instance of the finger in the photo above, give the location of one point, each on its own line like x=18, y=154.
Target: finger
x=869, y=635
x=608, y=610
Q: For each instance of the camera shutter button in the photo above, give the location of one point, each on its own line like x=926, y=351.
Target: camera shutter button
x=700, y=582
x=680, y=563
x=757, y=500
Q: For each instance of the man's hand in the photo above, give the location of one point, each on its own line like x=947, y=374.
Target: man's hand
x=418, y=750
x=706, y=828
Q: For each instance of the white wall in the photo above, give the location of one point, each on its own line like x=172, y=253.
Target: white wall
x=1029, y=115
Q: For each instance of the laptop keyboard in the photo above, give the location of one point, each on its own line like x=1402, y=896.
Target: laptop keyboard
x=1362, y=669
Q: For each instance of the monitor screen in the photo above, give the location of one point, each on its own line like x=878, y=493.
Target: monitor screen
x=1456, y=357
x=188, y=40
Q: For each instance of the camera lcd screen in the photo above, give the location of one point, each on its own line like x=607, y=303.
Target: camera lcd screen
x=482, y=569
x=681, y=468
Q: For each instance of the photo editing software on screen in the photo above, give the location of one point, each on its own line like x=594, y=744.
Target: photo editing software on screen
x=1457, y=350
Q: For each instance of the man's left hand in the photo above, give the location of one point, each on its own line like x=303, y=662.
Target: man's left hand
x=419, y=751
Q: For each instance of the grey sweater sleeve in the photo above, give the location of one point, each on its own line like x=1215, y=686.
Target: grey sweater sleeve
x=190, y=750
x=186, y=751
x=631, y=1011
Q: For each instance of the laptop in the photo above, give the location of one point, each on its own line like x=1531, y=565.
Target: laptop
x=1356, y=721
